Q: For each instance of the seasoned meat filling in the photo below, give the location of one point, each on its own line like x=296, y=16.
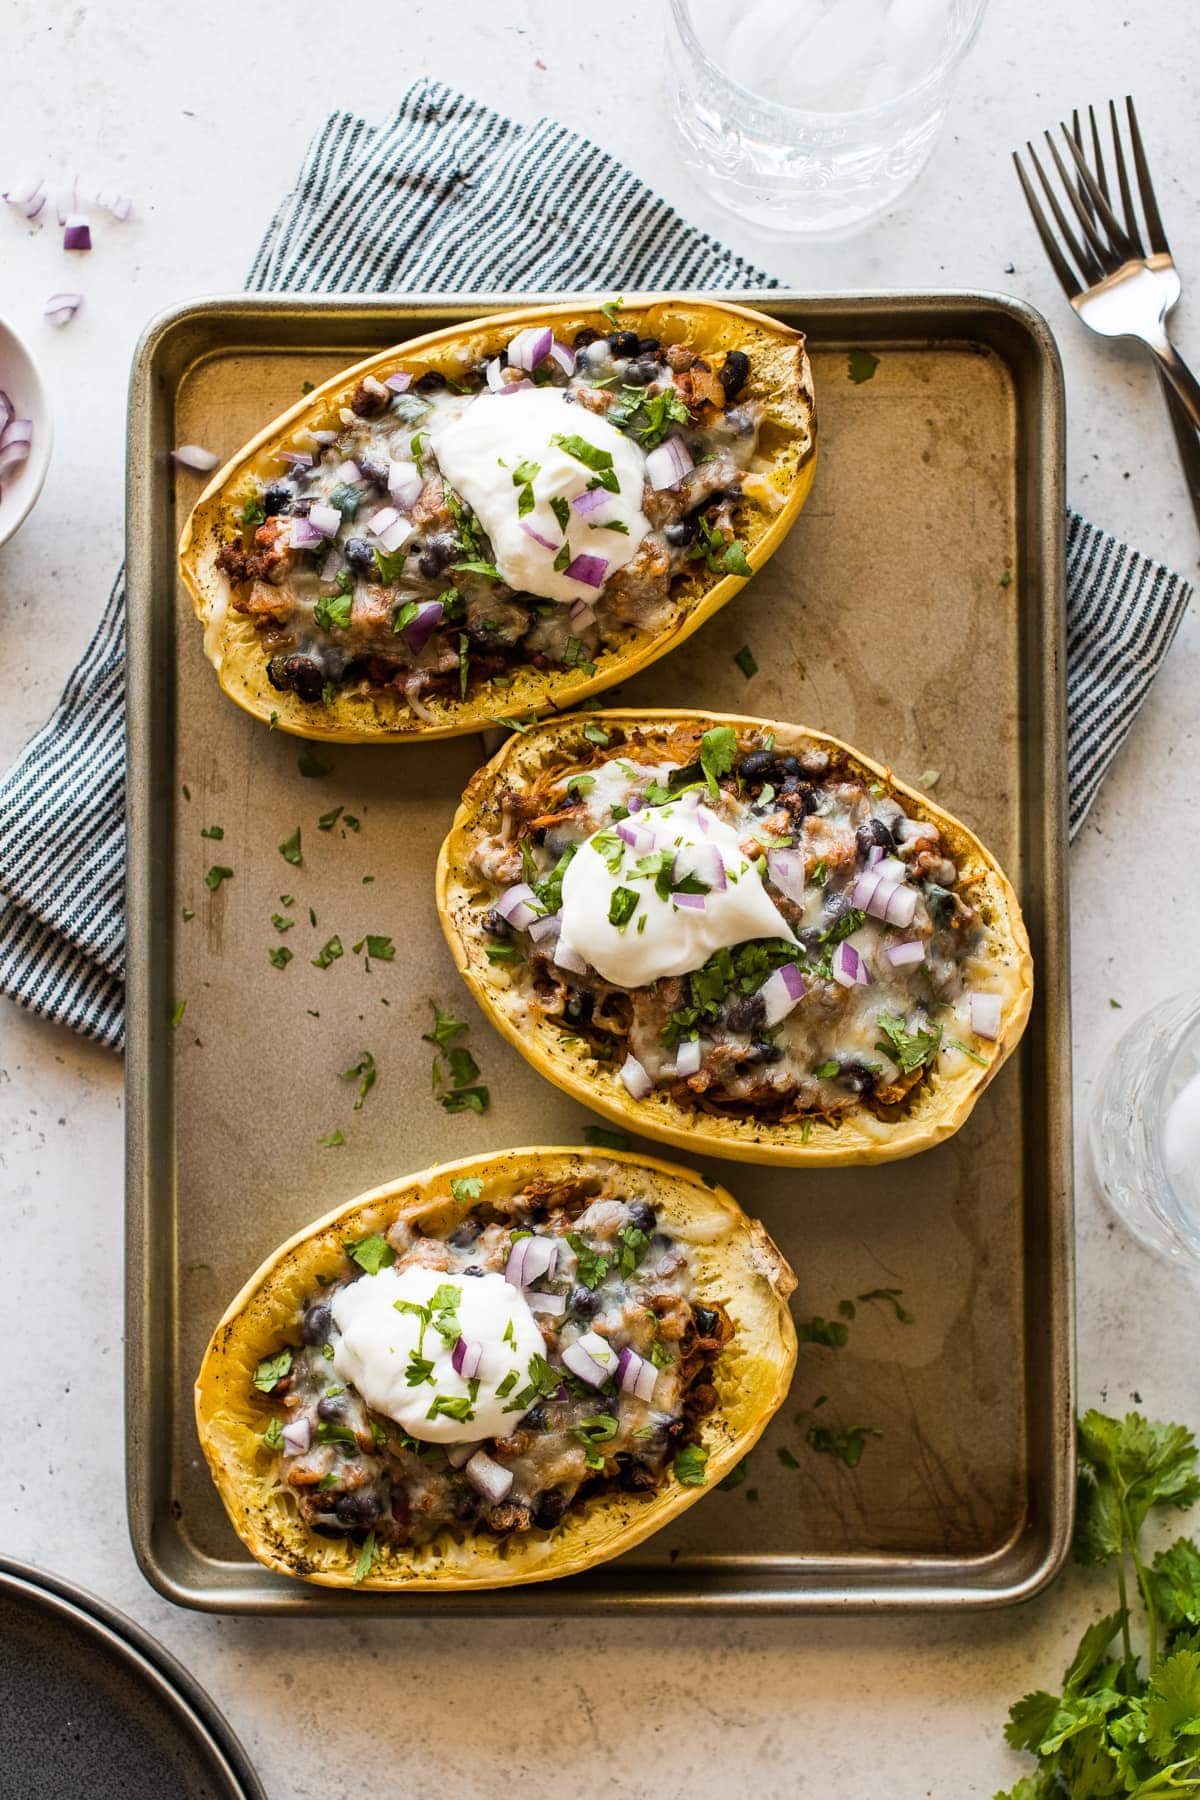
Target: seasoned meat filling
x=362, y=563
x=610, y=1399
x=763, y=934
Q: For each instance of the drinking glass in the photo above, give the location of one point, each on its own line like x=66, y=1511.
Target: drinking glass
x=813, y=115
x=1145, y=1129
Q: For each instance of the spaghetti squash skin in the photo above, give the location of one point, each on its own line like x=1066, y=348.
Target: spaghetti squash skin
x=779, y=384
x=937, y=1098
x=733, y=1265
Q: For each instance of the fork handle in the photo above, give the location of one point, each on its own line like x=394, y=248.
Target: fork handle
x=1179, y=375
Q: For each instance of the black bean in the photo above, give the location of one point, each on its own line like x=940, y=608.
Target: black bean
x=278, y=498
x=277, y=674
x=374, y=467
x=583, y=1302
x=368, y=403
x=871, y=835
x=643, y=1215
x=746, y=1013
x=578, y=1008
x=734, y=371
x=706, y=1320
x=641, y=372
x=473, y=1269
x=302, y=508
x=648, y=346
x=549, y=1508
x=787, y=765
x=360, y=555
x=584, y=337
x=535, y=1418
x=304, y=677
x=437, y=551
x=857, y=1076
x=623, y=343
x=757, y=765
x=495, y=926
x=680, y=532
x=331, y=1407
x=317, y=1320
x=940, y=902
x=432, y=382
x=464, y=1235
x=359, y=1508
x=466, y=1503
x=763, y=1053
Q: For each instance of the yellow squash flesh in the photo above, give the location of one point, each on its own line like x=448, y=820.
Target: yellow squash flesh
x=937, y=1106
x=780, y=378
x=734, y=1262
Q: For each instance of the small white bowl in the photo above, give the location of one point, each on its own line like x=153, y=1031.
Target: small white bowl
x=21, y=382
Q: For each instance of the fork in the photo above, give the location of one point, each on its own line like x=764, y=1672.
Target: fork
x=1120, y=289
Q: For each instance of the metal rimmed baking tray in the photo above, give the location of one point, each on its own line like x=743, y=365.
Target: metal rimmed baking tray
x=917, y=611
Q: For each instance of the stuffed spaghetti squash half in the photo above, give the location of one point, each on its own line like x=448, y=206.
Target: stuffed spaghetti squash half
x=498, y=1371
x=735, y=935
x=501, y=517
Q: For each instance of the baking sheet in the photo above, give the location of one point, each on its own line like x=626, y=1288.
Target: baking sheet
x=915, y=610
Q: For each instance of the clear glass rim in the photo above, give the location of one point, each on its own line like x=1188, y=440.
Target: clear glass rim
x=681, y=13
x=1186, y=1018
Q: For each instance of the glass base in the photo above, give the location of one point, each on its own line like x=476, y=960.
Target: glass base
x=800, y=213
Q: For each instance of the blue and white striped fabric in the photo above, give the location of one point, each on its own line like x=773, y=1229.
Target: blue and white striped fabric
x=448, y=195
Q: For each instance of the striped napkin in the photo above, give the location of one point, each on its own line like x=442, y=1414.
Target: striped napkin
x=446, y=194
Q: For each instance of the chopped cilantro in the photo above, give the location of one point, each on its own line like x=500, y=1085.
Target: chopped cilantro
x=592, y=1264
x=444, y=1027
x=281, y=923
x=718, y=751
x=328, y=953
x=622, y=906
x=272, y=1437
x=381, y=948
x=279, y=956
x=368, y=1557
x=365, y=1073
x=825, y=1071
x=216, y=875
x=561, y=509
x=390, y=568
x=786, y=1458
x=272, y=1369
x=596, y=734
x=290, y=848
x=371, y=1253
x=466, y=1188
x=745, y=661
x=829, y=1332
x=611, y=308
x=605, y=1140
x=216, y=832
x=333, y=610
x=331, y=1140
x=476, y=1099
x=328, y=820
x=736, y=1476
x=861, y=365
x=910, y=1049
x=591, y=456
x=689, y=1465
x=847, y=1445
x=254, y=513
x=891, y=1297
x=177, y=1013
x=452, y=1406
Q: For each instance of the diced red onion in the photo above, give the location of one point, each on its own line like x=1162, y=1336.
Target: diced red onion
x=636, y=1082
x=905, y=955
x=332, y=564
x=985, y=1015
x=379, y=521
x=591, y=500
x=668, y=464
x=545, y=542
x=786, y=870
x=874, y=855
x=77, y=233
x=514, y=1268
x=195, y=456
x=888, y=900
x=299, y=460
x=636, y=802
x=304, y=535
x=417, y=706
x=17, y=431
x=404, y=483
x=781, y=992
x=297, y=1436
x=892, y=869
x=518, y=906
x=591, y=570
x=704, y=861
x=422, y=625
x=690, y=902
x=849, y=967
x=566, y=956
x=512, y=387
x=27, y=197
x=541, y=1258
x=582, y=615
x=466, y=1358
x=349, y=472
x=327, y=519
x=399, y=383
x=529, y=347
x=640, y=838
x=592, y=1358
x=494, y=375
x=554, y=1304
x=901, y=907
x=492, y=1481
x=12, y=458
x=60, y=309
x=458, y=1454
x=689, y=1057
x=7, y=409
x=118, y=206
x=565, y=358
x=636, y=1375
x=546, y=929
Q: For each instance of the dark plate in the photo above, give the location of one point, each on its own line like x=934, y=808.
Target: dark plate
x=90, y=1705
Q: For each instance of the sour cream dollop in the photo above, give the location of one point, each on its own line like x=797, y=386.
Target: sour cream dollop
x=483, y=446
x=675, y=939
x=375, y=1348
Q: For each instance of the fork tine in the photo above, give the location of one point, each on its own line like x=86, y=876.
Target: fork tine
x=1119, y=245
x=1123, y=176
x=1154, y=224
x=1097, y=153
x=1077, y=131
x=1058, y=261
x=1090, y=265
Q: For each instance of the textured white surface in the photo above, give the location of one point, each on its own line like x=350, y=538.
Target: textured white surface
x=202, y=114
